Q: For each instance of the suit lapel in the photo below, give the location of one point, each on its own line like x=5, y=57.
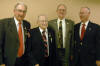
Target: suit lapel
x=67, y=33
x=55, y=25
x=67, y=27
x=25, y=32
x=40, y=36
x=12, y=28
x=88, y=29
x=78, y=31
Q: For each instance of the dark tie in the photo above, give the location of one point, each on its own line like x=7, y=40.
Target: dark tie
x=60, y=35
x=45, y=44
x=21, y=48
x=82, y=31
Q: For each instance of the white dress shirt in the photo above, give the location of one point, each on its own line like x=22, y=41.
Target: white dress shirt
x=63, y=29
x=17, y=26
x=86, y=24
x=46, y=33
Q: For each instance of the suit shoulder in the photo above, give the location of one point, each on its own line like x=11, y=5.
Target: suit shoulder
x=5, y=20
x=94, y=24
x=34, y=29
x=76, y=26
x=53, y=20
x=27, y=24
x=69, y=20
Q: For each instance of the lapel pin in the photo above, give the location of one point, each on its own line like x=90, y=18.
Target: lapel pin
x=54, y=22
x=67, y=23
x=25, y=28
x=89, y=29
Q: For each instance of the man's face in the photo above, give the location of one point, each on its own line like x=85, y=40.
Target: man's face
x=84, y=14
x=20, y=12
x=43, y=23
x=61, y=12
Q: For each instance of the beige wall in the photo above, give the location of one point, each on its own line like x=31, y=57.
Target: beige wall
x=48, y=7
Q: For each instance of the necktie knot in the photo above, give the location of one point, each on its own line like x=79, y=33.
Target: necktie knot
x=60, y=24
x=83, y=24
x=43, y=32
x=82, y=31
x=19, y=23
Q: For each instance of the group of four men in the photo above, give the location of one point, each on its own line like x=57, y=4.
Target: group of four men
x=57, y=43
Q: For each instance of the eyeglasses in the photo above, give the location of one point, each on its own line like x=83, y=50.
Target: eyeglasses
x=43, y=20
x=19, y=10
x=62, y=9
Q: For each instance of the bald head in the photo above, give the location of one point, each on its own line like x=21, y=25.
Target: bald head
x=42, y=21
x=87, y=9
x=84, y=14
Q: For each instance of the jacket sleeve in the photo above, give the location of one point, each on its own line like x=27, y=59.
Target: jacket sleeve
x=98, y=44
x=1, y=42
x=33, y=60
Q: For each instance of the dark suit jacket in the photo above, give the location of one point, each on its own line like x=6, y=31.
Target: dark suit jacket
x=9, y=41
x=38, y=47
x=88, y=50
x=68, y=38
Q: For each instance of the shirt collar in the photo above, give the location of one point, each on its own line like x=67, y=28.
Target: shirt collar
x=16, y=21
x=41, y=30
x=61, y=20
x=86, y=23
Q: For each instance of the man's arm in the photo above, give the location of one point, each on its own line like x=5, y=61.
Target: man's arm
x=1, y=43
x=2, y=65
x=72, y=41
x=98, y=47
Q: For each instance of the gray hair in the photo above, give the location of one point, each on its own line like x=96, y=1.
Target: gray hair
x=20, y=3
x=86, y=8
x=61, y=5
x=40, y=16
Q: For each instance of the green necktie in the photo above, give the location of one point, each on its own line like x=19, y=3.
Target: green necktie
x=60, y=35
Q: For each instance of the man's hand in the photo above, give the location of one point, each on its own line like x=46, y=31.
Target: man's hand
x=2, y=65
x=98, y=62
x=36, y=64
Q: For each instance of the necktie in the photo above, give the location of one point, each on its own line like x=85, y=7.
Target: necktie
x=82, y=31
x=45, y=44
x=60, y=35
x=21, y=48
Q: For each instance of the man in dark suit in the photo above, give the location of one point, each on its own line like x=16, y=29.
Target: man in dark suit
x=64, y=30
x=43, y=44
x=87, y=41
x=13, y=36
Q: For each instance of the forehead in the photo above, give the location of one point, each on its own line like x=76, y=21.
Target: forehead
x=42, y=17
x=21, y=7
x=61, y=7
x=84, y=10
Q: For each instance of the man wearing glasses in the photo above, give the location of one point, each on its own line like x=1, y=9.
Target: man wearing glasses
x=13, y=35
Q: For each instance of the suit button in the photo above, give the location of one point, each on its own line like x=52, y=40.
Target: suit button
x=81, y=43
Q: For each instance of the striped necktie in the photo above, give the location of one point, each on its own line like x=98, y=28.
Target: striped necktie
x=45, y=44
x=60, y=35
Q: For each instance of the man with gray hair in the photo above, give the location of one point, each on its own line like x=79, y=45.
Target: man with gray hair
x=43, y=44
x=64, y=29
x=87, y=40
x=13, y=37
